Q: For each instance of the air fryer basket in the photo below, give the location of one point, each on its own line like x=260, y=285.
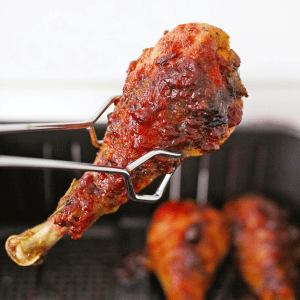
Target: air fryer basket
x=261, y=158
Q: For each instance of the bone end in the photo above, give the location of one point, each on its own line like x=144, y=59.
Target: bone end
x=16, y=253
x=31, y=246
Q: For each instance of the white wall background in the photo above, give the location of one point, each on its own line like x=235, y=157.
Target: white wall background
x=72, y=54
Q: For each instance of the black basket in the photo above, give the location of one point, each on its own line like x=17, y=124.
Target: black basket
x=261, y=158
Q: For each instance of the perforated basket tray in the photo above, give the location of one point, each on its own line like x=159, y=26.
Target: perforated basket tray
x=263, y=158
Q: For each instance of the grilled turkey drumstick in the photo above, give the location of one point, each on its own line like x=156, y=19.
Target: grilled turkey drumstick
x=266, y=246
x=183, y=95
x=186, y=243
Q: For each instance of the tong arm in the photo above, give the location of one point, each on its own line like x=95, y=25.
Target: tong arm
x=40, y=163
x=88, y=124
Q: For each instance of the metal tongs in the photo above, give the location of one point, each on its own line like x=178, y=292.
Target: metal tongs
x=27, y=162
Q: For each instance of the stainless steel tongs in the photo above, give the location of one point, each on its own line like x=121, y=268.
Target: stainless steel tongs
x=26, y=162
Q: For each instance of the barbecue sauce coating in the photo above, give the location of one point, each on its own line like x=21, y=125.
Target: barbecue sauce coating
x=183, y=95
x=266, y=246
x=185, y=245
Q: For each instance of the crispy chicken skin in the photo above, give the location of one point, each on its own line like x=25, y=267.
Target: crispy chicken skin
x=186, y=243
x=266, y=246
x=182, y=95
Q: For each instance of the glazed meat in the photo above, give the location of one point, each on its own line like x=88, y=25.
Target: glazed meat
x=182, y=95
x=186, y=243
x=266, y=247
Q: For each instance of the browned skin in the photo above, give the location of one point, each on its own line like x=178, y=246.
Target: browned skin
x=185, y=244
x=183, y=95
x=266, y=247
